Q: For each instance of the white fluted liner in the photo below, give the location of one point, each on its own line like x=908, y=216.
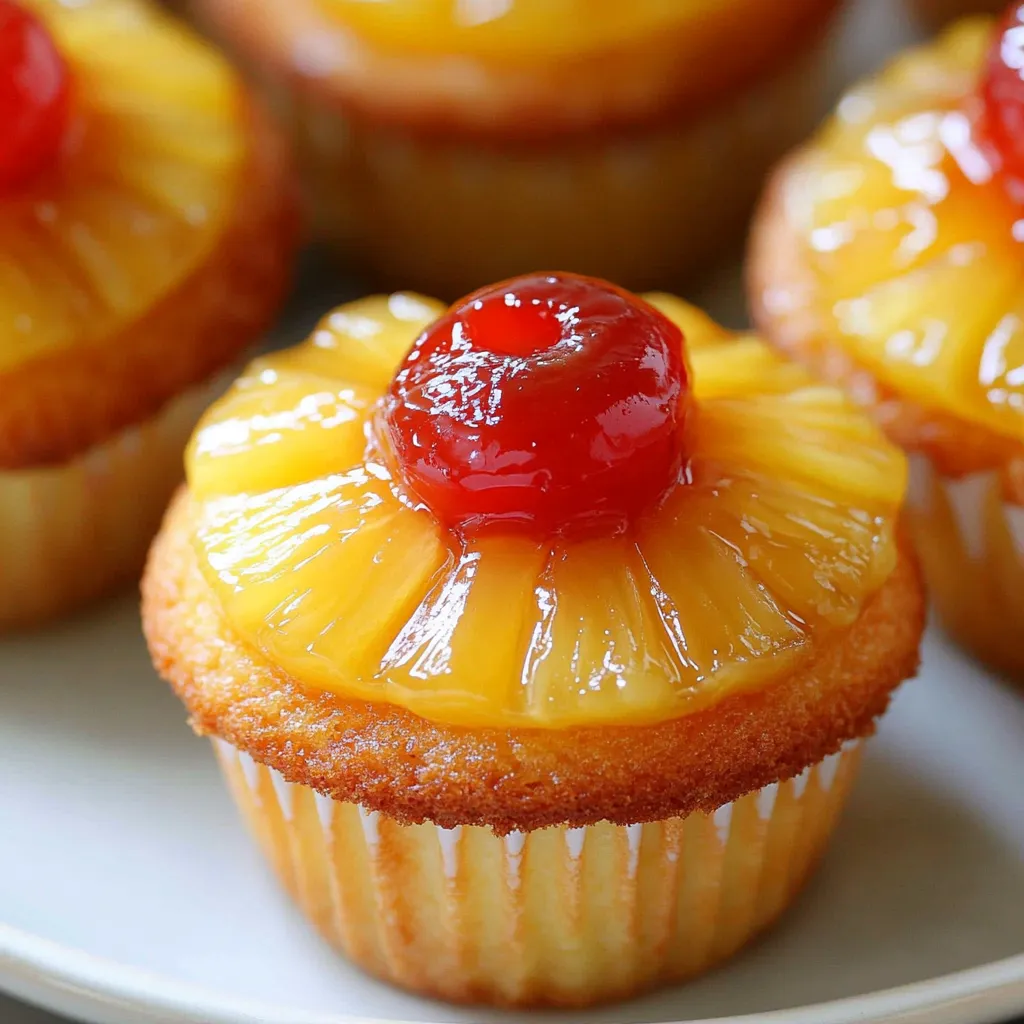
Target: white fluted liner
x=557, y=916
x=971, y=543
x=74, y=531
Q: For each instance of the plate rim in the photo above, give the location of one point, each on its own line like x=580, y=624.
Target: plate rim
x=64, y=979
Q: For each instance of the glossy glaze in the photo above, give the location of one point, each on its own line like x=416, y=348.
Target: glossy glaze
x=510, y=28
x=781, y=527
x=549, y=404
x=143, y=187
x=914, y=245
x=34, y=93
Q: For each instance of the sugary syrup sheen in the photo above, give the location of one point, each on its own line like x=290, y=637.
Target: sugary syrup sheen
x=722, y=571
x=122, y=139
x=912, y=226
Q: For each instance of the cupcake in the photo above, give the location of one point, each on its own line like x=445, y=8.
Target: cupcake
x=146, y=225
x=447, y=144
x=537, y=656
x=887, y=254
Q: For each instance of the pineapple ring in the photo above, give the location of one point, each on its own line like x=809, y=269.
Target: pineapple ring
x=781, y=533
x=143, y=190
x=888, y=255
x=116, y=258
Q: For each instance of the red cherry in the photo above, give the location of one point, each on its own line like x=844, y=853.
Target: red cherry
x=1002, y=91
x=551, y=402
x=34, y=90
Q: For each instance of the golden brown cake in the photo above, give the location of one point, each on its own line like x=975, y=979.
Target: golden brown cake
x=538, y=655
x=146, y=226
x=887, y=254
x=449, y=144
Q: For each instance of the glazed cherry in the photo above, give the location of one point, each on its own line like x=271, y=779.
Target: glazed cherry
x=1003, y=94
x=34, y=90
x=550, y=402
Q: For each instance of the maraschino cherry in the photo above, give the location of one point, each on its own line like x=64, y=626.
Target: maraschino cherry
x=1003, y=94
x=34, y=93
x=552, y=402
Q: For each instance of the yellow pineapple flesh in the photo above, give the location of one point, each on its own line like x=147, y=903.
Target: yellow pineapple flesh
x=915, y=246
x=142, y=189
x=781, y=530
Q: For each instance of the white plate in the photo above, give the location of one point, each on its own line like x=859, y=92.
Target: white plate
x=128, y=888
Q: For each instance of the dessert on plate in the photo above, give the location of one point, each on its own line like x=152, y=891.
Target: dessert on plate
x=146, y=226
x=888, y=255
x=537, y=655
x=449, y=143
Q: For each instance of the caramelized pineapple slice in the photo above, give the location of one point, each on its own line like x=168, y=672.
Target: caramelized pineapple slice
x=819, y=556
x=143, y=192
x=725, y=624
x=743, y=367
x=893, y=207
x=457, y=657
x=320, y=576
x=781, y=530
x=915, y=245
x=595, y=623
x=1000, y=377
x=924, y=332
x=301, y=426
x=807, y=437
x=363, y=341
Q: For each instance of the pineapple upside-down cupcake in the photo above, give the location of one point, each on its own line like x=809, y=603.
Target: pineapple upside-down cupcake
x=447, y=144
x=537, y=655
x=889, y=254
x=146, y=224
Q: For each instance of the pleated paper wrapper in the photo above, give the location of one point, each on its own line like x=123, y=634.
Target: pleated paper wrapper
x=74, y=531
x=971, y=544
x=559, y=916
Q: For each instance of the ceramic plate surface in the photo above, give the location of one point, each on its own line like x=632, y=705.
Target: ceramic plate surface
x=129, y=891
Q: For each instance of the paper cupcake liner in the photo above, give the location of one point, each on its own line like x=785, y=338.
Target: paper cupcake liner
x=971, y=544
x=641, y=208
x=560, y=916
x=72, y=532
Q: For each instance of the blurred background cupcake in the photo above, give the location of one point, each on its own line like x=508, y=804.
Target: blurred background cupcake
x=447, y=143
x=888, y=253
x=935, y=13
x=147, y=226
